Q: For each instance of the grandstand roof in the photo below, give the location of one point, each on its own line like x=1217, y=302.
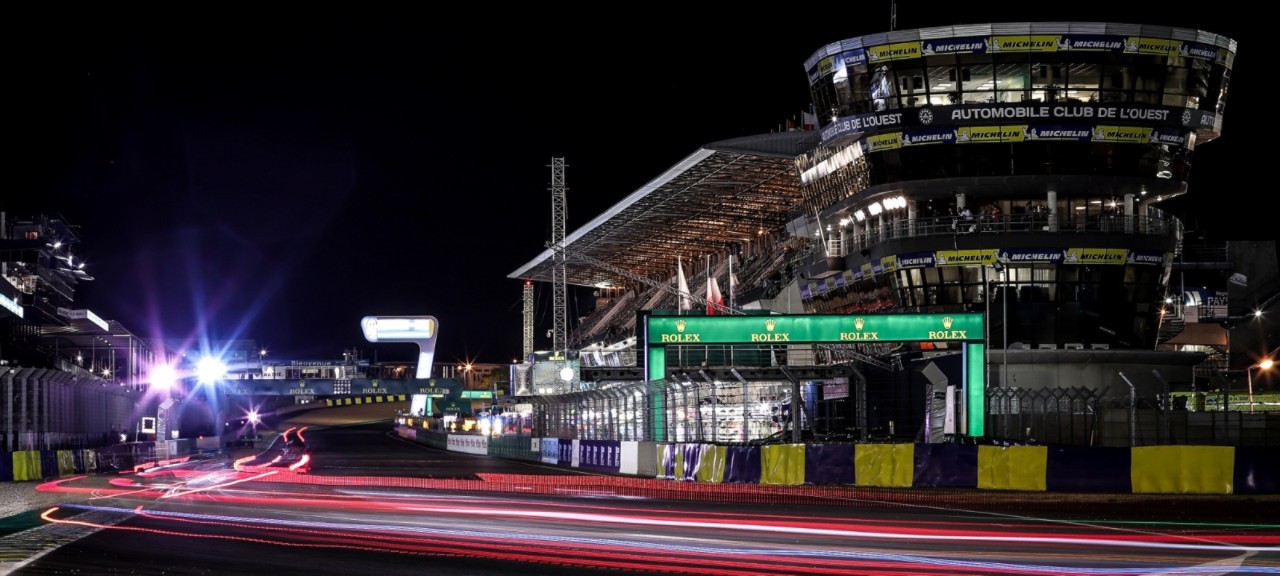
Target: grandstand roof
x=727, y=192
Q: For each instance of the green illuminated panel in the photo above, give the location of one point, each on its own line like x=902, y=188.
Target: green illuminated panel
x=976, y=389
x=657, y=363
x=658, y=408
x=823, y=328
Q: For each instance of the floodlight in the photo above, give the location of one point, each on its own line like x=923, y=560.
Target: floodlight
x=210, y=369
x=163, y=376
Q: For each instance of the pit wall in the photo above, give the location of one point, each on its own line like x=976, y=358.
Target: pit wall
x=1139, y=470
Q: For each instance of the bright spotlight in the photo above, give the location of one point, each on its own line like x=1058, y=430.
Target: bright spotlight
x=253, y=417
x=210, y=369
x=163, y=377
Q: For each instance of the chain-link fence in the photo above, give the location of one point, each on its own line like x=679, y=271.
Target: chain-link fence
x=699, y=408
x=1089, y=417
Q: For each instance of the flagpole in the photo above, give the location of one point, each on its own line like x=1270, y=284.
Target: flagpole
x=732, y=302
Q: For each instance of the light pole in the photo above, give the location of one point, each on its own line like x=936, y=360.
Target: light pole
x=1229, y=323
x=1004, y=321
x=1264, y=364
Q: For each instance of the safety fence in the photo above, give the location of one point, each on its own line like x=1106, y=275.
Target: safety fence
x=1091, y=417
x=25, y=465
x=699, y=408
x=45, y=409
x=1138, y=470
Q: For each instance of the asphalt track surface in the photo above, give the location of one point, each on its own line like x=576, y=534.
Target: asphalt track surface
x=379, y=508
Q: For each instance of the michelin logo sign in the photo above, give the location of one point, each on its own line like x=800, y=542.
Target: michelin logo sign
x=1036, y=255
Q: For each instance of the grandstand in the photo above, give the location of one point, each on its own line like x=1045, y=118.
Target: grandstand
x=943, y=179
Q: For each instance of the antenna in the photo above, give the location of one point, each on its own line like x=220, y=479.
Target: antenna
x=559, y=311
x=893, y=15
x=528, y=320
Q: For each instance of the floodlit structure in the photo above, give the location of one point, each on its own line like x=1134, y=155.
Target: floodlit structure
x=1018, y=171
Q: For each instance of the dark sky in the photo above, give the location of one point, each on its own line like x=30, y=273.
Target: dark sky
x=278, y=178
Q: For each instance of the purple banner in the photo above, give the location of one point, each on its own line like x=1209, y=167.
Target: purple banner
x=692, y=456
x=1089, y=469
x=742, y=465
x=600, y=455
x=1257, y=470
x=828, y=464
x=946, y=466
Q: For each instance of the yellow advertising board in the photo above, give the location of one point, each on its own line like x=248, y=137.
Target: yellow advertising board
x=1033, y=43
x=984, y=257
x=981, y=134
x=897, y=51
x=1129, y=134
x=1139, y=45
x=881, y=142
x=827, y=66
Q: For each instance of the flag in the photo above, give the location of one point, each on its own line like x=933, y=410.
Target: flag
x=686, y=298
x=809, y=121
x=714, y=298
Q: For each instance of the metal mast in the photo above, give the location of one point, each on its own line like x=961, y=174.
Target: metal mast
x=560, y=311
x=528, y=320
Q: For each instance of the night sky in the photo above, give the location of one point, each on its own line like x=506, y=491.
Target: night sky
x=278, y=178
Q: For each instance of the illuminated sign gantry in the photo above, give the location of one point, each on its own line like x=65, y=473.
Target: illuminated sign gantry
x=962, y=327
x=420, y=330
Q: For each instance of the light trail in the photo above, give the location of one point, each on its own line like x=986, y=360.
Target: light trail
x=614, y=553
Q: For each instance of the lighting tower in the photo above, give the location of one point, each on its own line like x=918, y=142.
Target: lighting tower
x=528, y=320
x=560, y=310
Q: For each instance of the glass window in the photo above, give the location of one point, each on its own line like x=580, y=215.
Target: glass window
x=1221, y=103
x=1147, y=97
x=1047, y=75
x=977, y=79
x=911, y=87
x=1176, y=81
x=973, y=293
x=1117, y=77
x=860, y=87
x=882, y=90
x=844, y=95
x=1012, y=81
x=1113, y=96
x=1048, y=81
x=1082, y=82
x=951, y=294
x=943, y=86
x=1148, y=79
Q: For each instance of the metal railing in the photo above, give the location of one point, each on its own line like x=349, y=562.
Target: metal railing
x=1039, y=223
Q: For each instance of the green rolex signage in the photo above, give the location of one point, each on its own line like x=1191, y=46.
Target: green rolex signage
x=666, y=330
x=962, y=328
